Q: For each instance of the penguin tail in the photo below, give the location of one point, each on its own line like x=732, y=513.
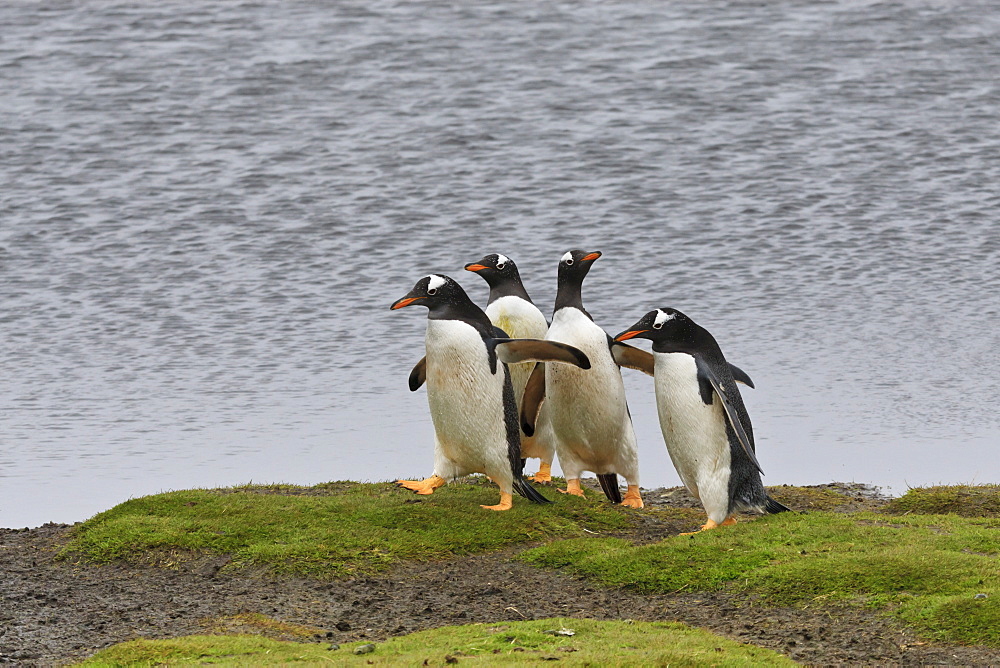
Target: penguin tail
x=522, y=487
x=609, y=483
x=772, y=506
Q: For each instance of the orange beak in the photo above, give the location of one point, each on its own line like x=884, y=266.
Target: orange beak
x=591, y=256
x=405, y=301
x=631, y=334
x=475, y=267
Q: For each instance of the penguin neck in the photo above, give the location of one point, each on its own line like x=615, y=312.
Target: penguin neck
x=460, y=307
x=508, y=287
x=569, y=295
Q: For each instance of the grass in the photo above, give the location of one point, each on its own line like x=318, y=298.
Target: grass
x=964, y=500
x=333, y=530
x=926, y=569
x=923, y=558
x=594, y=643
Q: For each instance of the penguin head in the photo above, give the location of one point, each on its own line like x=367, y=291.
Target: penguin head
x=495, y=269
x=435, y=292
x=661, y=326
x=574, y=265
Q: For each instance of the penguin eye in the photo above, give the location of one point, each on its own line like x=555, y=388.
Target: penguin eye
x=432, y=291
x=569, y=261
x=657, y=325
x=501, y=265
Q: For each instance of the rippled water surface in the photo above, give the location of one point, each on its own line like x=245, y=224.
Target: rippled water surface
x=206, y=209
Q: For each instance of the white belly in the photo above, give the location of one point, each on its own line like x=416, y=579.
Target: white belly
x=694, y=432
x=521, y=320
x=466, y=400
x=586, y=408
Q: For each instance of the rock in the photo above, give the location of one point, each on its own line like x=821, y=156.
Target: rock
x=365, y=649
x=343, y=626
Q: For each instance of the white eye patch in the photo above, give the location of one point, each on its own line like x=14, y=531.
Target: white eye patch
x=502, y=260
x=662, y=317
x=435, y=282
x=567, y=256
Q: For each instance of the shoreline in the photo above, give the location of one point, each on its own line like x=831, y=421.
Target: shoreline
x=58, y=611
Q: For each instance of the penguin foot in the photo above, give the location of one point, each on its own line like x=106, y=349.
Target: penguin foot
x=711, y=524
x=544, y=474
x=425, y=486
x=632, y=498
x=572, y=487
x=506, y=503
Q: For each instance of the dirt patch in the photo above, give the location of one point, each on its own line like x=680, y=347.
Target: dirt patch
x=52, y=612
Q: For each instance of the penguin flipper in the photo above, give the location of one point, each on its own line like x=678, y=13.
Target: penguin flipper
x=609, y=483
x=707, y=377
x=741, y=376
x=419, y=375
x=531, y=401
x=513, y=351
x=632, y=357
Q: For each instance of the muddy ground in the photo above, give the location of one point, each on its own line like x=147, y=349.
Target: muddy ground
x=52, y=612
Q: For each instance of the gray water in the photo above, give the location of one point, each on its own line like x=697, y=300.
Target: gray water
x=207, y=208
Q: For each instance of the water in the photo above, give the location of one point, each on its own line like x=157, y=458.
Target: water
x=207, y=210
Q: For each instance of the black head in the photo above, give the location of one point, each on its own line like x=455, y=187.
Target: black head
x=574, y=265
x=671, y=332
x=442, y=295
x=573, y=268
x=434, y=291
x=495, y=268
x=501, y=274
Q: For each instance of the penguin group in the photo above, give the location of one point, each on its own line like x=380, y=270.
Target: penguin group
x=505, y=385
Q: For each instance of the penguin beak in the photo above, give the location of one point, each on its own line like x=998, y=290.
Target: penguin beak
x=475, y=267
x=630, y=334
x=590, y=257
x=405, y=301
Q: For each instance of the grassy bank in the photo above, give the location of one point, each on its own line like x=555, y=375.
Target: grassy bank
x=572, y=642
x=931, y=558
x=938, y=572
x=332, y=530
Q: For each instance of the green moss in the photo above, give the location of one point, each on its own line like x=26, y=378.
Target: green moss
x=594, y=643
x=961, y=618
x=252, y=623
x=964, y=500
x=360, y=528
x=811, y=498
x=907, y=564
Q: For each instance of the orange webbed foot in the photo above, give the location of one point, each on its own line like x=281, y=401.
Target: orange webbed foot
x=572, y=487
x=506, y=503
x=712, y=524
x=425, y=486
x=544, y=474
x=632, y=497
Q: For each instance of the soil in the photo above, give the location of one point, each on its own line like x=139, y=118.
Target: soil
x=55, y=611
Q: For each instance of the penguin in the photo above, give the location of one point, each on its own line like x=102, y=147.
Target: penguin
x=469, y=390
x=511, y=309
x=585, y=413
x=705, y=425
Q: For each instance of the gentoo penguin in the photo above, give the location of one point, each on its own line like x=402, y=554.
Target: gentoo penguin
x=511, y=309
x=469, y=390
x=704, y=422
x=585, y=413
